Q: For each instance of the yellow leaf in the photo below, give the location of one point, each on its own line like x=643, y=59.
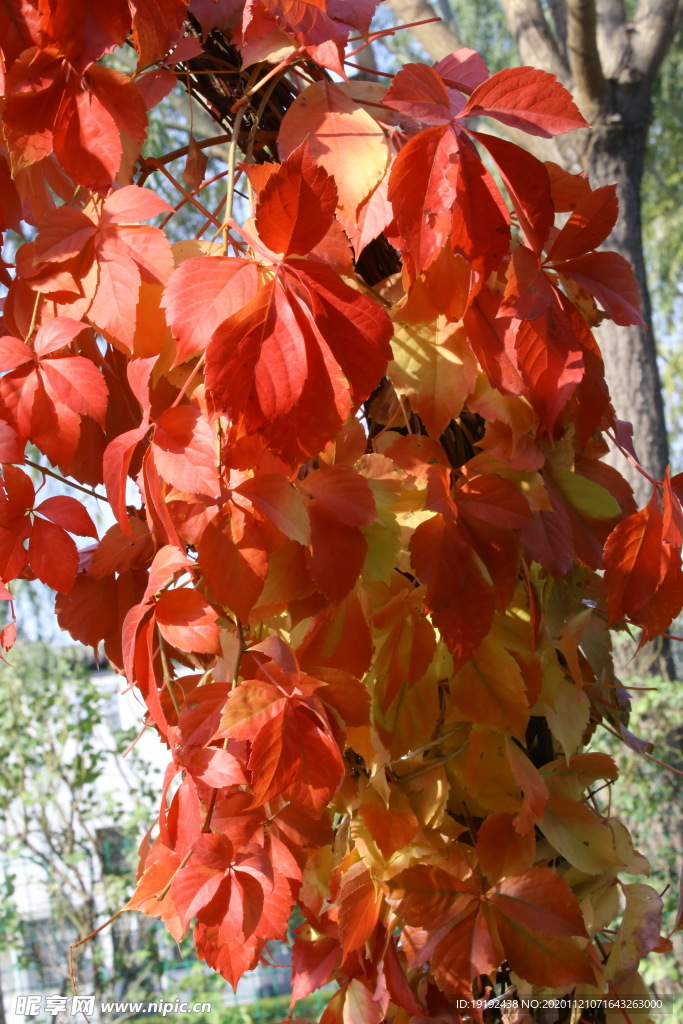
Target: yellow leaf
x=587, y=497
x=489, y=689
x=343, y=139
x=566, y=707
x=435, y=368
x=579, y=835
x=639, y=932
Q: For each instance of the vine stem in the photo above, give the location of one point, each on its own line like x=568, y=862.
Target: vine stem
x=190, y=378
x=188, y=196
x=63, y=480
x=634, y=463
x=238, y=110
x=34, y=318
x=162, y=892
x=391, y=31
x=253, y=87
x=168, y=678
x=87, y=938
x=650, y=757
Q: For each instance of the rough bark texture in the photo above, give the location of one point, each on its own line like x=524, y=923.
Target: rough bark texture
x=616, y=154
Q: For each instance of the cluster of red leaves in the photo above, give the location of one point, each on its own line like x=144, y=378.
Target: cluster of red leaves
x=396, y=632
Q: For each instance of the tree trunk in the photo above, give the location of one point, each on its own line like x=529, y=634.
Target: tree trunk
x=616, y=154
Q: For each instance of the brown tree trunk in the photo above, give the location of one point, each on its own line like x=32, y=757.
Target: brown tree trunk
x=616, y=154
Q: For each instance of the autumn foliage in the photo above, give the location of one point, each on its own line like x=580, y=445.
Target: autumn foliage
x=366, y=552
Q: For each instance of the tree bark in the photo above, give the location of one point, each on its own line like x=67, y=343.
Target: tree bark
x=616, y=153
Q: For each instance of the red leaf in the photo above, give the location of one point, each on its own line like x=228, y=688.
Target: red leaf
x=63, y=234
x=87, y=30
x=53, y=556
x=312, y=962
x=643, y=575
x=589, y=225
x=13, y=556
x=116, y=463
x=344, y=493
x=481, y=221
x=526, y=98
x=275, y=755
x=87, y=141
x=187, y=621
x=359, y=906
x=418, y=91
x=336, y=555
x=501, y=850
x=157, y=26
x=528, y=184
x=11, y=446
x=121, y=97
x=89, y=611
x=535, y=915
x=673, y=508
x=460, y=599
x=463, y=69
x=296, y=205
x=69, y=514
x=56, y=334
x=215, y=767
x=343, y=139
x=278, y=362
x=201, y=294
x=200, y=714
x=185, y=451
x=488, y=334
x=75, y=382
x=422, y=193
x=356, y=329
x=14, y=353
x=168, y=561
x=114, y=308
x=551, y=361
x=256, y=363
x=633, y=560
x=233, y=556
x=281, y=502
x=131, y=204
x=610, y=278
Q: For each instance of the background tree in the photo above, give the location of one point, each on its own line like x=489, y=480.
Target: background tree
x=72, y=808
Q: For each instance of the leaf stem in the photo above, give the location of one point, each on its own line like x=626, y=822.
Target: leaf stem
x=162, y=892
x=34, y=318
x=168, y=677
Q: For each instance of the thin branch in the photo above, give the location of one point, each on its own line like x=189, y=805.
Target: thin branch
x=584, y=58
x=67, y=483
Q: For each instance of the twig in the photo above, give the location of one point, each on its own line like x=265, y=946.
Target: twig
x=63, y=480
